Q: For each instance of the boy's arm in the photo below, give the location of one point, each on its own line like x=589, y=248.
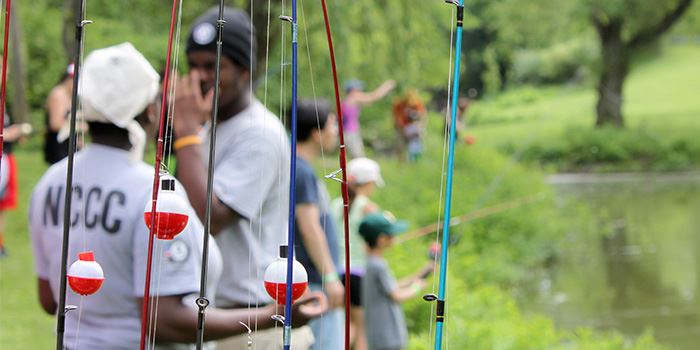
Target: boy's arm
x=401, y=294
x=396, y=292
x=309, y=221
x=423, y=273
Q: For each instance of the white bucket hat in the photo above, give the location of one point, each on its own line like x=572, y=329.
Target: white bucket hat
x=364, y=170
x=116, y=84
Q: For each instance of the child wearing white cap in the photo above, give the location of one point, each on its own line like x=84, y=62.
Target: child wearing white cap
x=364, y=176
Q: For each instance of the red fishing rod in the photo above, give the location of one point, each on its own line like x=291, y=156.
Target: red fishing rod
x=156, y=180
x=344, y=183
x=3, y=89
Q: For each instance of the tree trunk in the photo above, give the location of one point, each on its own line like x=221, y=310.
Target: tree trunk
x=615, y=66
x=68, y=36
x=18, y=71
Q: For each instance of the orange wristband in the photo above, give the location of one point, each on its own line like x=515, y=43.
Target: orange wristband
x=186, y=141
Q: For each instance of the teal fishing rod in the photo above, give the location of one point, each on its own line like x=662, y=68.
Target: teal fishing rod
x=440, y=309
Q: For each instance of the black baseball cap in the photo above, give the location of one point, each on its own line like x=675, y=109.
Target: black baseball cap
x=238, y=41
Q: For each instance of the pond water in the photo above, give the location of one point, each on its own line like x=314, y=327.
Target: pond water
x=631, y=257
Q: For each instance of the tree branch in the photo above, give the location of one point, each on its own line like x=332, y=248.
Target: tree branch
x=654, y=31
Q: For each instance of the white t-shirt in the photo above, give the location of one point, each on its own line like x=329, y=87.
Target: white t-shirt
x=110, y=193
x=251, y=176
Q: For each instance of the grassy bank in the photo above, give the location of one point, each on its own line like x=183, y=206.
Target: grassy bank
x=554, y=125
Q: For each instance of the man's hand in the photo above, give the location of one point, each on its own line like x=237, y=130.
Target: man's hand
x=308, y=307
x=192, y=107
x=335, y=292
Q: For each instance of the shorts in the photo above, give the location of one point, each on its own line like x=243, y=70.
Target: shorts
x=355, y=289
x=8, y=192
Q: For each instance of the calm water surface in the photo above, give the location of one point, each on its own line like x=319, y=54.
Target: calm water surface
x=631, y=259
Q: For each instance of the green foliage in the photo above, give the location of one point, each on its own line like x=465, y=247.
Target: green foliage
x=46, y=63
x=690, y=25
x=488, y=318
x=567, y=61
x=637, y=16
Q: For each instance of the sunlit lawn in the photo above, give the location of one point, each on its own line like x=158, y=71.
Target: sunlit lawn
x=661, y=95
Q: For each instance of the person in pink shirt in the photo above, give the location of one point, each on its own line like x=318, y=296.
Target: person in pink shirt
x=355, y=98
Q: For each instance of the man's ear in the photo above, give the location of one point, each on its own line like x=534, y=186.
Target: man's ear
x=316, y=135
x=148, y=120
x=152, y=112
x=245, y=74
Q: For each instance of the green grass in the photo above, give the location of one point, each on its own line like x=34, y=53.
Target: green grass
x=23, y=324
x=661, y=99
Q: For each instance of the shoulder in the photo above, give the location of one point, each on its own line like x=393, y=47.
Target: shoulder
x=303, y=168
x=258, y=125
x=56, y=95
x=376, y=262
x=305, y=176
x=53, y=173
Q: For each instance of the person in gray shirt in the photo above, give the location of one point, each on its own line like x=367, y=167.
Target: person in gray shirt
x=381, y=293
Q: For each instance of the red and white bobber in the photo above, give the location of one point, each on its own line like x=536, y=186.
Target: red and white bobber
x=171, y=211
x=85, y=275
x=276, y=278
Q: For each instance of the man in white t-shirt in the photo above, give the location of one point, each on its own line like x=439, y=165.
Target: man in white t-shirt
x=111, y=188
x=251, y=166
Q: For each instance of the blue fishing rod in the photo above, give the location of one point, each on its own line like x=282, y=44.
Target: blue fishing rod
x=440, y=309
x=287, y=332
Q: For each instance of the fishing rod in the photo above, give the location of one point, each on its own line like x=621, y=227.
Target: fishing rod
x=61, y=311
x=471, y=216
x=343, y=183
x=3, y=89
x=202, y=301
x=287, y=330
x=440, y=309
x=156, y=182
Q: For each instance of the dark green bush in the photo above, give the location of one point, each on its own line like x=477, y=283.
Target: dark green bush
x=612, y=149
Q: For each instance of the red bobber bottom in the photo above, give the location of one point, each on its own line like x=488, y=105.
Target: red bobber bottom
x=168, y=225
x=278, y=291
x=84, y=285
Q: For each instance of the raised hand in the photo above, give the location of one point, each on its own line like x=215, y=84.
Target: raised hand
x=192, y=106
